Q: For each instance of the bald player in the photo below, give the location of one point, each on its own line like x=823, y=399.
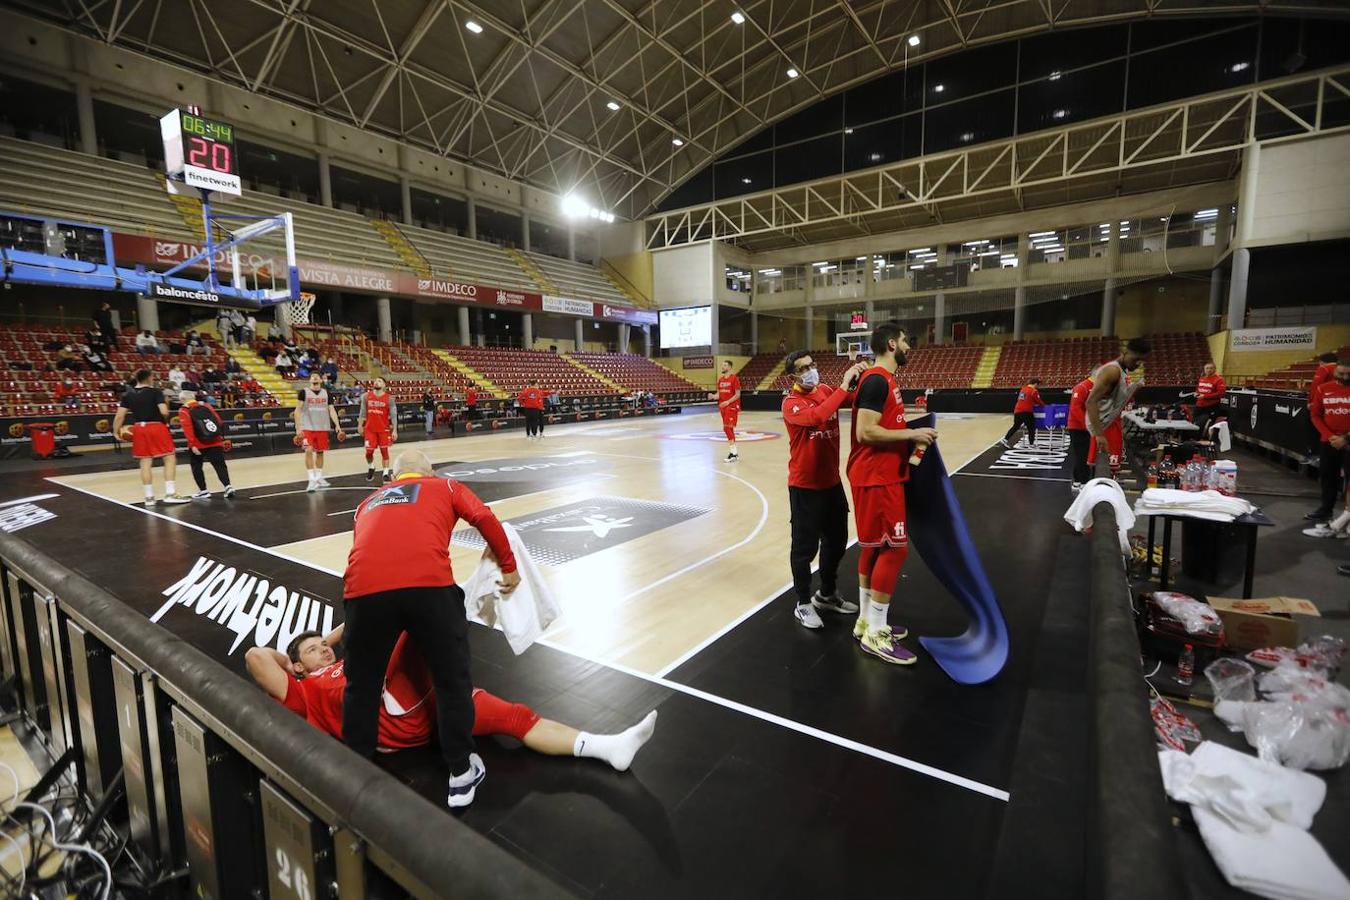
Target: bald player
x=1111, y=393
x=378, y=422
x=313, y=413
x=309, y=680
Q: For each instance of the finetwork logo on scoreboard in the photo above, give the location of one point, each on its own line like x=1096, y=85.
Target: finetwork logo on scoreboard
x=186, y=295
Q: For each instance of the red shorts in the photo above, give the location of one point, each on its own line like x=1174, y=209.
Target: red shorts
x=377, y=438
x=1115, y=443
x=879, y=512
x=316, y=440
x=730, y=415
x=150, y=439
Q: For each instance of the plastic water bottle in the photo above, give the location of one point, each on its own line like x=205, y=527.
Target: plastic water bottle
x=1152, y=475
x=1186, y=666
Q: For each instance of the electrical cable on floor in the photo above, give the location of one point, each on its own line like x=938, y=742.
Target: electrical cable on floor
x=75, y=848
x=23, y=867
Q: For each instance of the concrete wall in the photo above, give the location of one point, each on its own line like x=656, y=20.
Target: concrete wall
x=1151, y=307
x=683, y=276
x=1302, y=192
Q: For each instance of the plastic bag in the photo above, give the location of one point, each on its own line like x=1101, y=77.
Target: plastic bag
x=1322, y=655
x=1171, y=727
x=1195, y=617
x=1232, y=679
x=1303, y=723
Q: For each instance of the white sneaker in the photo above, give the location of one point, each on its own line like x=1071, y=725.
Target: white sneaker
x=1076, y=487
x=1325, y=531
x=807, y=615
x=322, y=482
x=202, y=495
x=462, y=787
x=229, y=491
x=312, y=487
x=174, y=498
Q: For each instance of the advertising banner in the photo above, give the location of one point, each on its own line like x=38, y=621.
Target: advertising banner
x=697, y=362
x=1303, y=337
x=568, y=306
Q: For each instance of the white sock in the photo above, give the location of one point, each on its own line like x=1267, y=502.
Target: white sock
x=876, y=615
x=1340, y=522
x=310, y=474
x=616, y=749
x=864, y=598
x=169, y=488
x=149, y=492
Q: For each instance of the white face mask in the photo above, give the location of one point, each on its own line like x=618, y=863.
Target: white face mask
x=810, y=378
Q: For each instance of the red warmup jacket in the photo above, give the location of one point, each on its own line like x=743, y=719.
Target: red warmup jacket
x=531, y=398
x=1208, y=390
x=401, y=537
x=1078, y=405
x=1320, y=377
x=1330, y=410
x=813, y=435
x=471, y=397
x=185, y=421
x=1028, y=398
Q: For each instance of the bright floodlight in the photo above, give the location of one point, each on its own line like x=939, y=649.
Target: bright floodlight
x=613, y=106
x=914, y=40
x=574, y=207
x=677, y=142
x=792, y=73
x=738, y=17
x=473, y=26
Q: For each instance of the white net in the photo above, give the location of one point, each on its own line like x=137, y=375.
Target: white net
x=297, y=311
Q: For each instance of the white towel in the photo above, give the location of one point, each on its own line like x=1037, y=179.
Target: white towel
x=1196, y=504
x=1079, y=514
x=1224, y=436
x=1253, y=817
x=522, y=615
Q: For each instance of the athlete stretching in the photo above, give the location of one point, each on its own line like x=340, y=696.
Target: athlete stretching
x=309, y=680
x=878, y=467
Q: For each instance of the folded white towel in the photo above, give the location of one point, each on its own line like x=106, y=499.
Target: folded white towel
x=1284, y=862
x=1079, y=513
x=1198, y=504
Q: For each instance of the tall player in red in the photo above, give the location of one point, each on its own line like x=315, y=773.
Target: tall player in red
x=878, y=467
x=378, y=422
x=729, y=405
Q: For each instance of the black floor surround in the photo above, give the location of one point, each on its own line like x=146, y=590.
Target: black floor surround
x=723, y=802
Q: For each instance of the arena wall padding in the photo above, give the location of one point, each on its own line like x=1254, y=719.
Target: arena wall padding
x=447, y=860
x=1133, y=844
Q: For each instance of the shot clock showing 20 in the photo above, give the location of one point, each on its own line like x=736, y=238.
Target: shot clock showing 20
x=199, y=152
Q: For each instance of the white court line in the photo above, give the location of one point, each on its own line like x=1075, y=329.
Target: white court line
x=298, y=491
x=774, y=719
x=598, y=476
x=572, y=454
x=1014, y=477
x=31, y=499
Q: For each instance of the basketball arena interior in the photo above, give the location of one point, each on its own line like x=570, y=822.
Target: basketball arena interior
x=888, y=448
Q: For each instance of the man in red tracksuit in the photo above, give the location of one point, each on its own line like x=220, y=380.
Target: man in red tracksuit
x=1326, y=366
x=531, y=402
x=205, y=434
x=399, y=579
x=1330, y=413
x=729, y=405
x=816, y=498
x=1209, y=390
x=1024, y=416
x=1080, y=439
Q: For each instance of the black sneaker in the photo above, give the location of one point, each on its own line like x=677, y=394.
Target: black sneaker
x=1318, y=515
x=370, y=474
x=1344, y=569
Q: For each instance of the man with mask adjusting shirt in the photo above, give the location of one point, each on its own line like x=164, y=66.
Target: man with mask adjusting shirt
x=819, y=508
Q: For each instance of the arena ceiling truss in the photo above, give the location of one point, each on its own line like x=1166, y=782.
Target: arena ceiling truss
x=619, y=100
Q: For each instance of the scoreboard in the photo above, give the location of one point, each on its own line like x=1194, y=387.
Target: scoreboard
x=940, y=278
x=199, y=151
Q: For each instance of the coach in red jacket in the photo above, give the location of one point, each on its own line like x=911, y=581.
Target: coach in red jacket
x=1330, y=414
x=1024, y=413
x=816, y=498
x=399, y=578
x=1209, y=390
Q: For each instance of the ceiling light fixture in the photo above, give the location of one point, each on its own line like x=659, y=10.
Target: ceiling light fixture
x=745, y=181
x=677, y=142
x=614, y=107
x=738, y=17
x=792, y=73
x=914, y=40
x=939, y=88
x=473, y=26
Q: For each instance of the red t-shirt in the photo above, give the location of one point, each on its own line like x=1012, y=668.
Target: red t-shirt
x=377, y=411
x=1323, y=374
x=471, y=397
x=531, y=398
x=401, y=537
x=1330, y=409
x=1208, y=390
x=1078, y=405
x=727, y=386
x=869, y=464
x=813, y=436
x=318, y=697
x=1027, y=399
x=185, y=422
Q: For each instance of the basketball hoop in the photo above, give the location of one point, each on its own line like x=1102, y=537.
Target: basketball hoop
x=297, y=312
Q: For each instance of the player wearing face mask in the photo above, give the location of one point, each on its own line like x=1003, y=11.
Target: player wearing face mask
x=816, y=499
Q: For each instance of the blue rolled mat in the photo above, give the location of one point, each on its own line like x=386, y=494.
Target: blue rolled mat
x=937, y=529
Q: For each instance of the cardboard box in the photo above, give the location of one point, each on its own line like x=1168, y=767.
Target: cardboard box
x=1261, y=621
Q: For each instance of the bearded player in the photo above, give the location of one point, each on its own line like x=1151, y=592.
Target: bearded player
x=378, y=422
x=878, y=467
x=310, y=680
x=313, y=413
x=729, y=405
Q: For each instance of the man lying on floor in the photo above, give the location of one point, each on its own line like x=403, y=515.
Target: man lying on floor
x=309, y=680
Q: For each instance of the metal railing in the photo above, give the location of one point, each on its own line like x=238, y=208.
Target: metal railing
x=255, y=801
